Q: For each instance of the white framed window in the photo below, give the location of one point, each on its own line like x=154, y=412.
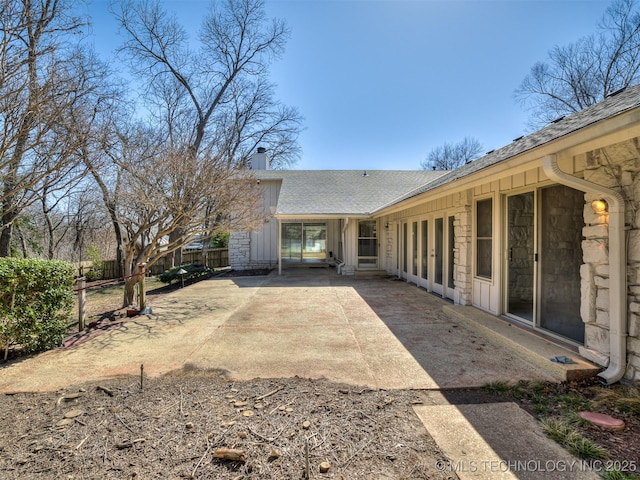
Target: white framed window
x=484, y=238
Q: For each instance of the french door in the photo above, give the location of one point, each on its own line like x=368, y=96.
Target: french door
x=521, y=236
x=404, y=251
x=424, y=254
x=413, y=252
x=437, y=254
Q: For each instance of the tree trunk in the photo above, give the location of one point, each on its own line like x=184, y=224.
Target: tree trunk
x=131, y=279
x=9, y=212
x=205, y=250
x=51, y=246
x=119, y=247
x=175, y=258
x=23, y=242
x=5, y=237
x=121, y=269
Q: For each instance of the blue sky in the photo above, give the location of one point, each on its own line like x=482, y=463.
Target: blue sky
x=382, y=82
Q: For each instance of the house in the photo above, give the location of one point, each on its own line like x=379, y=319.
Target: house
x=544, y=231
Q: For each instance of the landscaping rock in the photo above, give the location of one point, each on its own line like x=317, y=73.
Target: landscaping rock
x=275, y=453
x=602, y=420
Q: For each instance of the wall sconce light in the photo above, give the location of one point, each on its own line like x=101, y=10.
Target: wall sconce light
x=386, y=225
x=599, y=207
x=258, y=181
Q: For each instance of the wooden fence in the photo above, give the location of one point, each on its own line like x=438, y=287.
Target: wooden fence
x=216, y=258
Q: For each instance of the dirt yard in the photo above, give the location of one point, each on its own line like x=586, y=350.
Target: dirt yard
x=177, y=427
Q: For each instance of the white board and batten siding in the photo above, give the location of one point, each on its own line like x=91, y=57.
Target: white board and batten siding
x=264, y=242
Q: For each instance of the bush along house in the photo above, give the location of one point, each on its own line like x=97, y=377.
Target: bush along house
x=544, y=232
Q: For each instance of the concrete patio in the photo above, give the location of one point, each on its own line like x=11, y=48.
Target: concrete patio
x=373, y=331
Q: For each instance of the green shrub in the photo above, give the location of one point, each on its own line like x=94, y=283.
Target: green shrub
x=193, y=270
x=96, y=272
x=220, y=240
x=36, y=301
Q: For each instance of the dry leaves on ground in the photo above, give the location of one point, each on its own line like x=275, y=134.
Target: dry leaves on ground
x=203, y=426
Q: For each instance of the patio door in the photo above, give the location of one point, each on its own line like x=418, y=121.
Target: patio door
x=413, y=252
x=451, y=246
x=437, y=254
x=304, y=242
x=424, y=254
x=404, y=251
x=521, y=235
x=561, y=222
x=544, y=254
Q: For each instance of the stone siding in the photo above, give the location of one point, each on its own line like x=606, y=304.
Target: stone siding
x=389, y=247
x=240, y=253
x=240, y=250
x=462, y=256
x=617, y=167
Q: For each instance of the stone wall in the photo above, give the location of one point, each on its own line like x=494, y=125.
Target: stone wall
x=240, y=253
x=389, y=260
x=594, y=277
x=240, y=250
x=462, y=256
x=617, y=167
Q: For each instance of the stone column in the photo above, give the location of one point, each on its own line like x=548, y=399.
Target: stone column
x=462, y=256
x=240, y=250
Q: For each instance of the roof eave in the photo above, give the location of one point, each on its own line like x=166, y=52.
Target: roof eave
x=582, y=137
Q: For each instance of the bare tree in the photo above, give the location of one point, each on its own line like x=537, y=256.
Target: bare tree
x=103, y=147
x=216, y=99
x=161, y=193
x=214, y=104
x=43, y=77
x=585, y=71
x=450, y=156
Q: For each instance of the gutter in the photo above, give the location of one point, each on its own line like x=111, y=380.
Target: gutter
x=617, y=265
x=278, y=246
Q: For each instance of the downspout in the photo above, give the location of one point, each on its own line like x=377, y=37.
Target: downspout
x=344, y=253
x=617, y=266
x=278, y=240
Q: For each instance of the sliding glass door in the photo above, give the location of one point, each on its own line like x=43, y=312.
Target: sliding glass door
x=544, y=254
x=304, y=242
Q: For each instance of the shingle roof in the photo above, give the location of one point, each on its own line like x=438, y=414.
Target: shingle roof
x=342, y=192
x=348, y=192
x=611, y=106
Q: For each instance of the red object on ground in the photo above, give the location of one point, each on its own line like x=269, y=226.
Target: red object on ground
x=602, y=420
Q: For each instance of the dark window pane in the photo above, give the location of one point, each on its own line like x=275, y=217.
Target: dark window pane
x=483, y=253
x=425, y=250
x=367, y=247
x=484, y=218
x=414, y=249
